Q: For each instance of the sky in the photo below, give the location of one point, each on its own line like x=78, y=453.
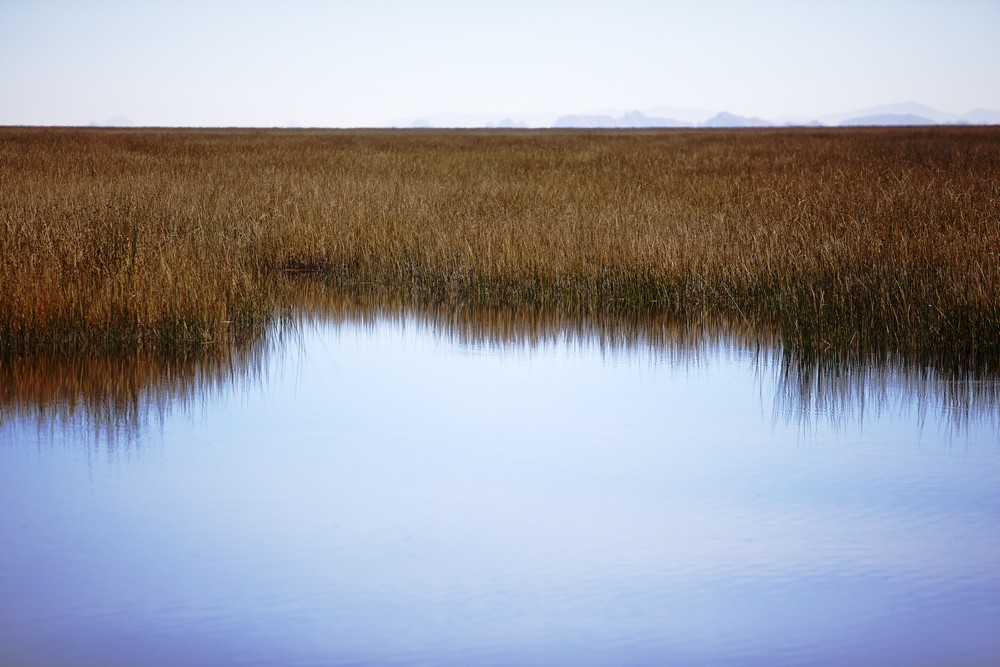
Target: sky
x=359, y=64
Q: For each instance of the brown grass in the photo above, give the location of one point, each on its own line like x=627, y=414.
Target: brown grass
x=167, y=239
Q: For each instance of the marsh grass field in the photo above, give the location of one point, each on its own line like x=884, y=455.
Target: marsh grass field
x=864, y=241
x=312, y=397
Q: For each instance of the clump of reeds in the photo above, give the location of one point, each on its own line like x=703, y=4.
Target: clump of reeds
x=876, y=239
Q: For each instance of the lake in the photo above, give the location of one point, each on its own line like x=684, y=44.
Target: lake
x=387, y=485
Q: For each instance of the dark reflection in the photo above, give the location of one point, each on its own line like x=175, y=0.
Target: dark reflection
x=808, y=383
x=839, y=385
x=489, y=327
x=115, y=397
x=112, y=398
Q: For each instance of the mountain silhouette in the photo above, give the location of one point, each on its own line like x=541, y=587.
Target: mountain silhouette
x=902, y=114
x=726, y=119
x=889, y=119
x=982, y=117
x=630, y=119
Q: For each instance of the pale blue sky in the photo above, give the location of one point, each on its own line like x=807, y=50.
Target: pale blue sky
x=371, y=63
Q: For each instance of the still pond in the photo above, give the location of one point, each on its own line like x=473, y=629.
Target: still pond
x=389, y=486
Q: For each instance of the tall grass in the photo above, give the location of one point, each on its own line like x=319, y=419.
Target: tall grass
x=883, y=239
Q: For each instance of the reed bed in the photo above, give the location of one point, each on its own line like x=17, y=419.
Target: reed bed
x=882, y=240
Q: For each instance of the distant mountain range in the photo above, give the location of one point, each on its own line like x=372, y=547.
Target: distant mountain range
x=907, y=113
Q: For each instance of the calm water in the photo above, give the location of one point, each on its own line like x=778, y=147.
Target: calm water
x=398, y=489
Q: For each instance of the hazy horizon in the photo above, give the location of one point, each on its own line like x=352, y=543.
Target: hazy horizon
x=330, y=65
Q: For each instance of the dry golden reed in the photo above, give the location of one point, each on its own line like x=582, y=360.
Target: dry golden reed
x=883, y=239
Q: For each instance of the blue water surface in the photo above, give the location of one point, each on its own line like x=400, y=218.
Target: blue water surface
x=384, y=493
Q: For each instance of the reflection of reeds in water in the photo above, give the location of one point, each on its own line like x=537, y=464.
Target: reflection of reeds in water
x=825, y=382
x=837, y=386
x=502, y=326
x=115, y=396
